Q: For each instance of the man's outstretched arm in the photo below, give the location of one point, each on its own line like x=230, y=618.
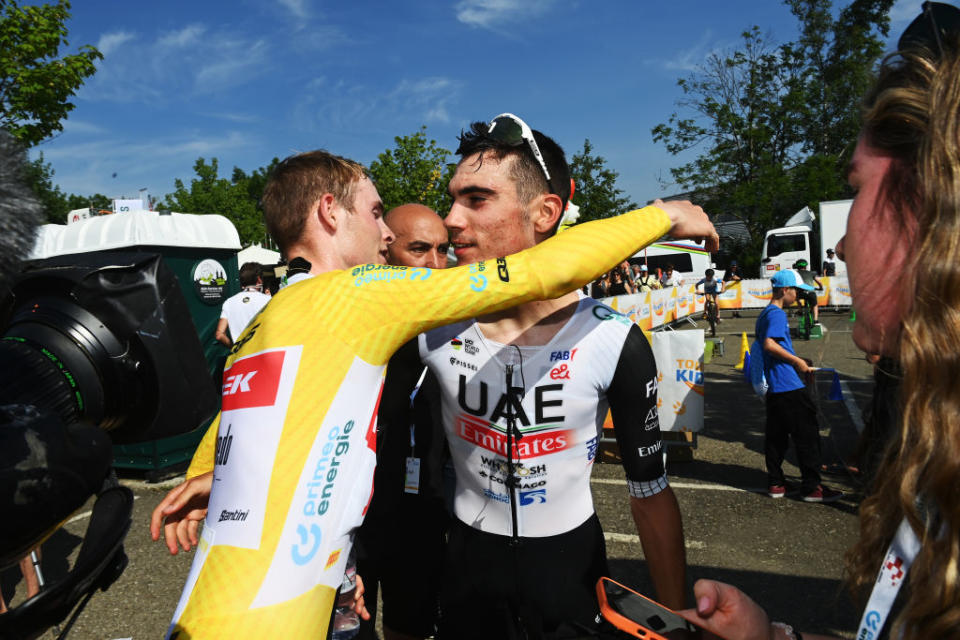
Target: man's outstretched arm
x=633, y=404
x=660, y=528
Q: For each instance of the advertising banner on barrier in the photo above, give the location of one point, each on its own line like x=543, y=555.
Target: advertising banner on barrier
x=679, y=357
x=662, y=306
x=755, y=294
x=839, y=289
x=729, y=298
x=658, y=303
x=684, y=302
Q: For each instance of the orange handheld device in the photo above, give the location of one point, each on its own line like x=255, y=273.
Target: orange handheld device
x=641, y=617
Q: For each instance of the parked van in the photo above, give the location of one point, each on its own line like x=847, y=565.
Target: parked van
x=688, y=258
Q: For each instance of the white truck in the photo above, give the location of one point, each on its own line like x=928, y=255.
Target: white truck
x=784, y=246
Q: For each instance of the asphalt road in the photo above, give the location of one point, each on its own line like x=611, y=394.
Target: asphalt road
x=785, y=553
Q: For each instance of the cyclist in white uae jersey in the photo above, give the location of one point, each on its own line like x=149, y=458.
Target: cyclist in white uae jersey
x=517, y=532
x=598, y=360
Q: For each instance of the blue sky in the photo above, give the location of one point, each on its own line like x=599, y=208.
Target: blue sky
x=247, y=80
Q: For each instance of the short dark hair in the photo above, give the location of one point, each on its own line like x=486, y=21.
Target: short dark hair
x=250, y=273
x=526, y=171
x=709, y=273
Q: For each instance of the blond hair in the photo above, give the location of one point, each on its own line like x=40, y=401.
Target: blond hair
x=297, y=183
x=913, y=115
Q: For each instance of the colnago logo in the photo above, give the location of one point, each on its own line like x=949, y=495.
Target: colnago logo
x=532, y=445
x=253, y=382
x=519, y=485
x=222, y=451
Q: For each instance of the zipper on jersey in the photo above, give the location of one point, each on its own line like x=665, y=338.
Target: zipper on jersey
x=512, y=433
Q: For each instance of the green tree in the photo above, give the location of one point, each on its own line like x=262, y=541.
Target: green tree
x=416, y=170
x=56, y=204
x=595, y=190
x=775, y=125
x=209, y=193
x=36, y=84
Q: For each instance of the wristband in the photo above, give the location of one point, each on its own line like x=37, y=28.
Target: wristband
x=787, y=630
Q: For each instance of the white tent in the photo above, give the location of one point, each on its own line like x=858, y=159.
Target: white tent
x=135, y=229
x=256, y=253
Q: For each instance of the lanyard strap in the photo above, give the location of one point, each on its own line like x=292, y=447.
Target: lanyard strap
x=896, y=563
x=413, y=395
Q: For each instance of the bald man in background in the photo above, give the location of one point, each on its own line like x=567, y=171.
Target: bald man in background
x=400, y=545
x=421, y=239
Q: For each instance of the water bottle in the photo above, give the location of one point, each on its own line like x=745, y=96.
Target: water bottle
x=346, y=622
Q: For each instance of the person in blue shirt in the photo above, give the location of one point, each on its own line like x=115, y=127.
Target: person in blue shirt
x=791, y=414
x=711, y=286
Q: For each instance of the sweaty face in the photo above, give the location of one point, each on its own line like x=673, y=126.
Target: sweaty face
x=875, y=249
x=487, y=219
x=421, y=238
x=365, y=236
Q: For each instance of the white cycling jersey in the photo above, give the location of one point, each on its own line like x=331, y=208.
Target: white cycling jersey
x=598, y=360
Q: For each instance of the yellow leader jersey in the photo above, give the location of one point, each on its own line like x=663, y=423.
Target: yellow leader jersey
x=293, y=450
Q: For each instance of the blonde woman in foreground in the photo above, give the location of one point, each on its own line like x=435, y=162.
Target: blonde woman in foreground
x=905, y=220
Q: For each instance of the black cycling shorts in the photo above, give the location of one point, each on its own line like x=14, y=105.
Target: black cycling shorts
x=493, y=589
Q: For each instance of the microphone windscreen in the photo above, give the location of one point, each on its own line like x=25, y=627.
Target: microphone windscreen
x=20, y=211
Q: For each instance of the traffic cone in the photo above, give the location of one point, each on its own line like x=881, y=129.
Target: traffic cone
x=746, y=366
x=744, y=352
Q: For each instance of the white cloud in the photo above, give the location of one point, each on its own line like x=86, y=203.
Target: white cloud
x=183, y=62
x=489, y=14
x=345, y=107
x=297, y=7
x=80, y=126
x=88, y=167
x=233, y=61
x=109, y=42
x=188, y=36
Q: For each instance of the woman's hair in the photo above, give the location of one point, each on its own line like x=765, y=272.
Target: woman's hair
x=912, y=115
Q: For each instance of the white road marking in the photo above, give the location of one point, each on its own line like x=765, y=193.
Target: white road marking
x=632, y=537
x=681, y=485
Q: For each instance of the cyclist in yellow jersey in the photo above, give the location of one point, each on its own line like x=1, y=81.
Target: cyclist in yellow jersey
x=283, y=476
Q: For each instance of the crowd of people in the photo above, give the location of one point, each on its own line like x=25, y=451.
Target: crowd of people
x=498, y=369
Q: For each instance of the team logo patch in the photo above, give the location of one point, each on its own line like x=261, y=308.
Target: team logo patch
x=253, y=381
